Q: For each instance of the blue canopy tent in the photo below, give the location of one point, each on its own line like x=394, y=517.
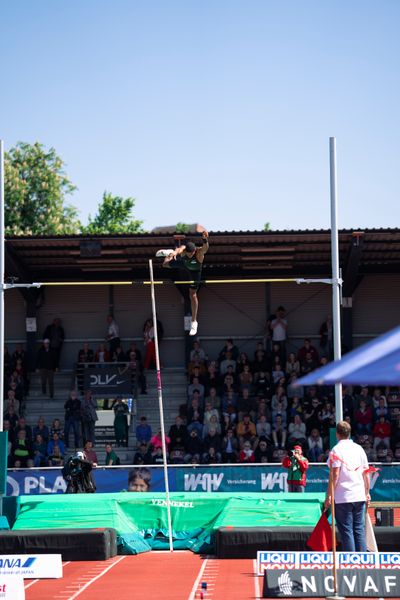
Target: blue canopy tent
x=374, y=363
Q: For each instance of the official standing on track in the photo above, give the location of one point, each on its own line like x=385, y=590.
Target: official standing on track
x=351, y=485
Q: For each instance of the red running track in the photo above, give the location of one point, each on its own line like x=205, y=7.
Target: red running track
x=152, y=576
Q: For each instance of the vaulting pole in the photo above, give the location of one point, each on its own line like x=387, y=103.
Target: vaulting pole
x=336, y=280
x=161, y=408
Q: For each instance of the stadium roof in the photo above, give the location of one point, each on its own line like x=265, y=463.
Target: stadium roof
x=237, y=254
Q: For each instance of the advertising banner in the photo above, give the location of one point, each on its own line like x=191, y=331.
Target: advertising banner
x=324, y=560
x=31, y=566
x=385, y=484
x=108, y=379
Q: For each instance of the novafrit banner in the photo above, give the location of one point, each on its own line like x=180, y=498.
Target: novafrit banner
x=385, y=483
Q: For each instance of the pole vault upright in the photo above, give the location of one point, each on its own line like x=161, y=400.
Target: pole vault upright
x=2, y=263
x=336, y=281
x=161, y=408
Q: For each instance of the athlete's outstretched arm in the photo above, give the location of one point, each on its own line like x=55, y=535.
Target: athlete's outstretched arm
x=204, y=248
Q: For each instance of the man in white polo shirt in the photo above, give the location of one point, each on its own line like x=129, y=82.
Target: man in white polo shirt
x=351, y=484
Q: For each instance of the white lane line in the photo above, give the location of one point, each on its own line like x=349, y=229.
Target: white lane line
x=257, y=590
x=96, y=578
x=192, y=594
x=28, y=585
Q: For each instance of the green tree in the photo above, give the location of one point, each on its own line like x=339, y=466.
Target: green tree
x=114, y=215
x=267, y=227
x=35, y=190
x=182, y=228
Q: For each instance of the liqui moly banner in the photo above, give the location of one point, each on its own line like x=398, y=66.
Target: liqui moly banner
x=324, y=560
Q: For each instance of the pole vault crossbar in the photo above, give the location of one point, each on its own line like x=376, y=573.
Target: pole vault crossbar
x=298, y=280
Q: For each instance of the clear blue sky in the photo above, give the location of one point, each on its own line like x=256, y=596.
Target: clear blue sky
x=212, y=111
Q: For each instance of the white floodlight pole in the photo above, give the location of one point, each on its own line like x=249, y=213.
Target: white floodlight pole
x=336, y=280
x=2, y=269
x=161, y=408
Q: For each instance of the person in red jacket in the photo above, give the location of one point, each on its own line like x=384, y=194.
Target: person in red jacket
x=297, y=465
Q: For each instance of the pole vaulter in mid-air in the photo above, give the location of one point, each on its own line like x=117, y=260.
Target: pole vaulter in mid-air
x=189, y=258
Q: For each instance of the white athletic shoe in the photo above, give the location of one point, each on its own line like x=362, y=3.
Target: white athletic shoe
x=193, y=329
x=163, y=253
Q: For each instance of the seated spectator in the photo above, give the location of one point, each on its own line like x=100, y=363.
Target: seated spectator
x=12, y=417
x=230, y=447
x=308, y=364
x=213, y=398
x=263, y=428
x=119, y=355
x=227, y=362
x=21, y=452
x=312, y=415
x=242, y=361
x=27, y=428
x=364, y=395
x=295, y=408
x=231, y=348
x=297, y=432
x=369, y=451
x=213, y=423
x=121, y=412
x=157, y=456
x=348, y=402
x=315, y=445
x=156, y=441
x=363, y=418
x=261, y=453
x=111, y=459
x=261, y=363
x=16, y=383
x=19, y=354
x=279, y=432
x=212, y=439
x=262, y=384
x=228, y=384
x=56, y=458
x=209, y=412
x=197, y=352
x=194, y=447
x=196, y=386
x=137, y=369
x=277, y=455
x=246, y=431
x=307, y=348
x=246, y=404
x=292, y=365
x=55, y=442
x=42, y=429
x=197, y=369
x=102, y=354
x=177, y=455
x=277, y=373
x=229, y=405
x=142, y=455
x=382, y=432
x=56, y=427
x=212, y=377
x=10, y=431
x=326, y=417
x=11, y=400
x=20, y=369
x=72, y=418
x=383, y=454
x=178, y=435
x=39, y=451
x=85, y=354
x=90, y=453
x=245, y=378
x=246, y=455
x=293, y=389
x=381, y=410
x=279, y=401
x=195, y=417
x=211, y=457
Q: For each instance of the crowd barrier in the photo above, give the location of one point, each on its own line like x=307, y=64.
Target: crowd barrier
x=385, y=482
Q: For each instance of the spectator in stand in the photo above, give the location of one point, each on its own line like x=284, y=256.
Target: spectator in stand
x=11, y=400
x=307, y=348
x=57, y=428
x=228, y=361
x=292, y=365
x=261, y=453
x=246, y=404
x=231, y=348
x=376, y=395
x=11, y=432
x=211, y=457
x=21, y=451
x=136, y=367
x=212, y=440
x=228, y=384
x=197, y=352
x=246, y=378
x=21, y=376
x=229, y=405
x=261, y=363
x=364, y=395
x=39, y=451
x=53, y=442
x=143, y=432
x=230, y=447
x=46, y=362
x=279, y=331
x=326, y=337
x=297, y=432
x=196, y=386
x=12, y=417
x=348, y=402
x=262, y=384
x=149, y=345
x=178, y=434
x=121, y=412
x=111, y=459
x=119, y=355
x=102, y=354
x=22, y=425
x=277, y=373
x=41, y=429
x=325, y=416
x=277, y=455
x=381, y=410
x=194, y=447
x=295, y=408
x=312, y=415
x=196, y=368
x=263, y=428
x=85, y=354
x=279, y=432
x=242, y=361
x=142, y=456
x=56, y=458
x=72, y=418
x=246, y=455
x=369, y=451
x=293, y=389
x=315, y=445
x=112, y=335
x=246, y=431
x=90, y=453
x=382, y=432
x=363, y=418
x=195, y=416
x=308, y=364
x=212, y=378
x=214, y=398
x=56, y=335
x=210, y=412
x=7, y=363
x=279, y=403
x=156, y=441
x=89, y=417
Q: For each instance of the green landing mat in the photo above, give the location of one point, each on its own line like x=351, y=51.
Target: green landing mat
x=141, y=518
